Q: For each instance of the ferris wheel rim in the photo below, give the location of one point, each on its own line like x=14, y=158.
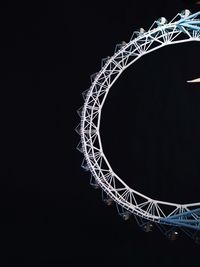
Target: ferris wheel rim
x=163, y=35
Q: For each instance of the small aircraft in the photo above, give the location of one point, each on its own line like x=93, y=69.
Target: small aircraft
x=194, y=81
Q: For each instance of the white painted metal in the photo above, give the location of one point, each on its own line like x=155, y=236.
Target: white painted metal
x=194, y=81
x=161, y=33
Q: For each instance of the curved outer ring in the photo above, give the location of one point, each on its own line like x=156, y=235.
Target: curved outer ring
x=95, y=160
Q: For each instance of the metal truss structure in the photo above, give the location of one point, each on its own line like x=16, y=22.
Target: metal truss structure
x=185, y=27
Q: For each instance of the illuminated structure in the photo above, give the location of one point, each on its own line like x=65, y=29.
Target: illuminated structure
x=169, y=217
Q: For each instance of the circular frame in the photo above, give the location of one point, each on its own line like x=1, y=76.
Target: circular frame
x=160, y=34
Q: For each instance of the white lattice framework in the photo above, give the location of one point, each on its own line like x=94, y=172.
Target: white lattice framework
x=185, y=27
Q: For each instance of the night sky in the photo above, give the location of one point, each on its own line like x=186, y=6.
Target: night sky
x=49, y=214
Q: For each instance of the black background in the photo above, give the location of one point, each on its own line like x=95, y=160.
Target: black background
x=49, y=213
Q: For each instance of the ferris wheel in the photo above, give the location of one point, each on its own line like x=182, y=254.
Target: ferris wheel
x=167, y=216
